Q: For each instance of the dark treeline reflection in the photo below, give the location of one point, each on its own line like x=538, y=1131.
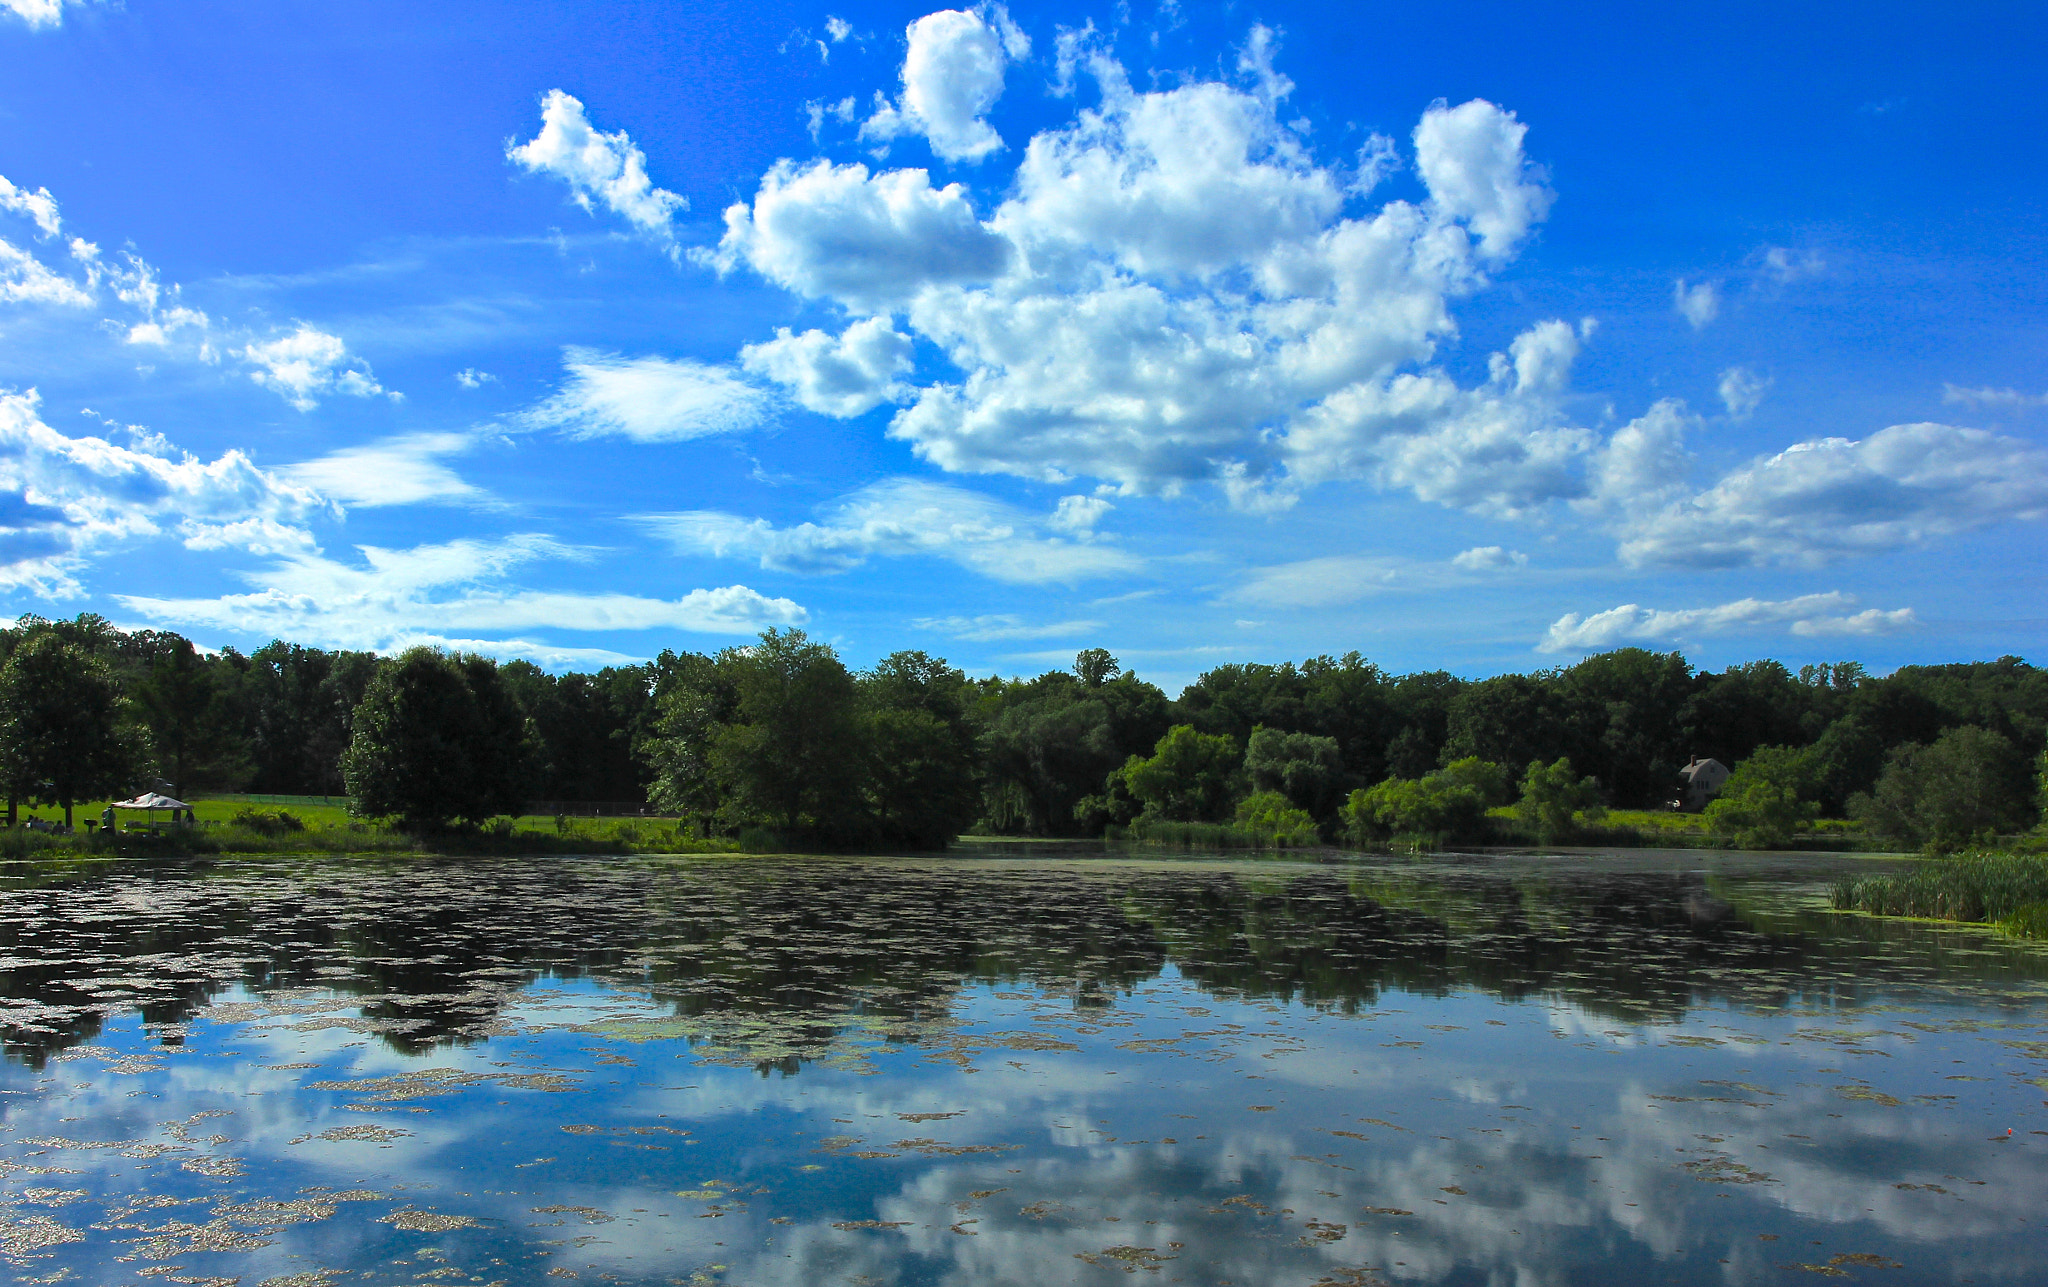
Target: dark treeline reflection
x=773, y=962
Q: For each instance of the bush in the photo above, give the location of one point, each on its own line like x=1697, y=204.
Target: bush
x=1555, y=801
x=1274, y=821
x=1448, y=804
x=267, y=824
x=2030, y=921
x=1762, y=805
x=761, y=840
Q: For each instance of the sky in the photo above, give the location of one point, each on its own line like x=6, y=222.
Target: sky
x=1467, y=336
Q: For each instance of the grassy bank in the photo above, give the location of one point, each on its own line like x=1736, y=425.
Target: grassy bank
x=236, y=827
x=2009, y=890
x=1616, y=829
x=1658, y=829
x=1188, y=837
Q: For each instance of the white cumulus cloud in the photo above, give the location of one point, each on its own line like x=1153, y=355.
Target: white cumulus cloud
x=1832, y=498
x=599, y=168
x=1489, y=558
x=1080, y=513
x=306, y=362
x=843, y=375
x=835, y=232
x=1698, y=303
x=1470, y=156
x=648, y=399
x=38, y=205
x=64, y=498
x=1172, y=292
x=900, y=518
x=38, y=13
x=1742, y=391
x=952, y=75
x=1808, y=615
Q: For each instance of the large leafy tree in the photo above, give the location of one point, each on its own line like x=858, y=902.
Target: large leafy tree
x=1968, y=784
x=1189, y=777
x=1627, y=705
x=437, y=737
x=1512, y=720
x=64, y=736
x=792, y=753
x=178, y=696
x=693, y=700
x=1049, y=743
x=923, y=761
x=1307, y=769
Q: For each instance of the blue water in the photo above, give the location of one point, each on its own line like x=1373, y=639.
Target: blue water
x=1620, y=1069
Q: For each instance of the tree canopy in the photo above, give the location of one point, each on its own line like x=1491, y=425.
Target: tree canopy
x=437, y=737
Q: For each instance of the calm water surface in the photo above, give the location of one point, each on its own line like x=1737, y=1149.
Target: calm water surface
x=1622, y=1069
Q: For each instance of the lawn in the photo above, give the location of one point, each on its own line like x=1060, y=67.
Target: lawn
x=325, y=824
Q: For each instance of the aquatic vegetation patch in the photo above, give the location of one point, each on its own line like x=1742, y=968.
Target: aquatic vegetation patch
x=414, y=1221
x=1976, y=886
x=1129, y=1259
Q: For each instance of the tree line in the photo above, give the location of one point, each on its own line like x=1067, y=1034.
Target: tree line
x=781, y=734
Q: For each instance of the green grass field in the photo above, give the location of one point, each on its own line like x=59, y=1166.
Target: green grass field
x=307, y=809
x=326, y=826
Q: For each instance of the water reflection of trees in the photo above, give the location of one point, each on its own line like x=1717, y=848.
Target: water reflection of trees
x=435, y=952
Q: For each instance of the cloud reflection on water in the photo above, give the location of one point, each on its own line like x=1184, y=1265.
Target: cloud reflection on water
x=1196, y=1060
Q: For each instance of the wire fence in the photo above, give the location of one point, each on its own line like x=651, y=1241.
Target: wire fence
x=534, y=808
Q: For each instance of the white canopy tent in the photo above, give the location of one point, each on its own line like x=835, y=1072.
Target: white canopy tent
x=150, y=801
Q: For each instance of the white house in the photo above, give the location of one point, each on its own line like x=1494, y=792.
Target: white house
x=1703, y=781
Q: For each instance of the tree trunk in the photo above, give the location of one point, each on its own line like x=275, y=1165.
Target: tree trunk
x=67, y=814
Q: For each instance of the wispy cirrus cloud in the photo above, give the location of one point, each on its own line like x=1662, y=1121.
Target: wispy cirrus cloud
x=405, y=470
x=648, y=399
x=392, y=598
x=1003, y=625
x=1989, y=397
x=901, y=518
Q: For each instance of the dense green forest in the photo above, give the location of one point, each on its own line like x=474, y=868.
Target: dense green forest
x=781, y=734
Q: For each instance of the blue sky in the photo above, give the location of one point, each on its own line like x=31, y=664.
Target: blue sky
x=1472, y=336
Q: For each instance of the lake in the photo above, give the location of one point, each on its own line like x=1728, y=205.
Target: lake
x=1616, y=1069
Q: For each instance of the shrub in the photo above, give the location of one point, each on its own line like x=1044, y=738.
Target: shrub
x=1761, y=805
x=1449, y=804
x=1269, y=817
x=1555, y=800
x=267, y=824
